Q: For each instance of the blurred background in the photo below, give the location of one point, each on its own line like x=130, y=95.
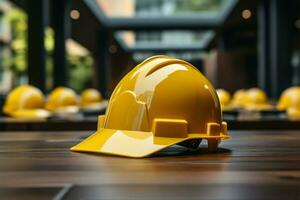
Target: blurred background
x=93, y=43
x=248, y=49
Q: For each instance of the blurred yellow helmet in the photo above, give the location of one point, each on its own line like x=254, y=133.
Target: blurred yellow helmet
x=287, y=96
x=90, y=97
x=62, y=99
x=25, y=101
x=224, y=97
x=256, y=96
x=146, y=113
x=293, y=111
x=239, y=98
x=256, y=99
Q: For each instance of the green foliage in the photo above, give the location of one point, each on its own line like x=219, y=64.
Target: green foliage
x=199, y=5
x=17, y=19
x=79, y=66
x=49, y=40
x=80, y=71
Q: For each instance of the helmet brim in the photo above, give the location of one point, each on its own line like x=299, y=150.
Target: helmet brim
x=30, y=114
x=95, y=106
x=134, y=144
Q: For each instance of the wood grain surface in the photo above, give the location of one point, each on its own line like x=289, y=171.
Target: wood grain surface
x=90, y=123
x=252, y=165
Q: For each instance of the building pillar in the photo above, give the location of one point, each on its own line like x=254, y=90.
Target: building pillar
x=61, y=25
x=37, y=16
x=263, y=45
x=103, y=68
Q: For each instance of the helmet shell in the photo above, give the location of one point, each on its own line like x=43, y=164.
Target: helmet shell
x=90, y=96
x=239, y=98
x=256, y=96
x=224, y=96
x=288, y=97
x=24, y=97
x=163, y=88
x=61, y=97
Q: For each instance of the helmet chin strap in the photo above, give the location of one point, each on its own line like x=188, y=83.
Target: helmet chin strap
x=192, y=144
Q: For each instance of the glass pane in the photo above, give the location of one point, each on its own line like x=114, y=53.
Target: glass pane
x=164, y=38
x=156, y=8
x=188, y=56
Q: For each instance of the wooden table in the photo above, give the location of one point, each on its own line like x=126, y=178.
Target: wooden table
x=252, y=165
x=90, y=123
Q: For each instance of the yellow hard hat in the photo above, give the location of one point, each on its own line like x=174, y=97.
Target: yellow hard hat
x=90, y=97
x=239, y=98
x=256, y=99
x=256, y=96
x=287, y=96
x=62, y=99
x=224, y=97
x=293, y=111
x=25, y=101
x=162, y=102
